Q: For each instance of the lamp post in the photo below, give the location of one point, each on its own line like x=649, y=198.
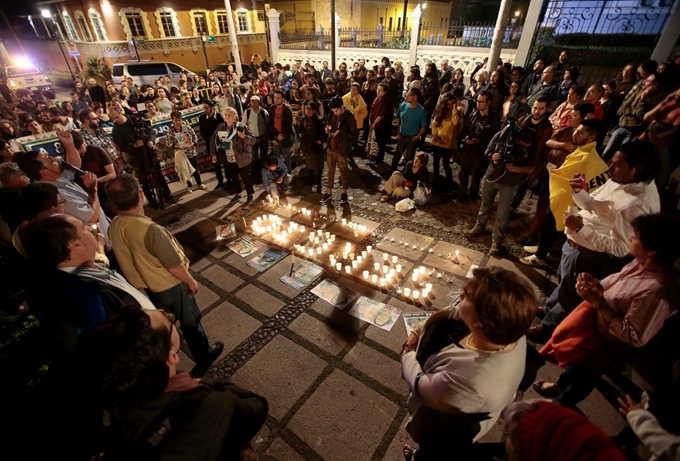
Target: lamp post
x=234, y=40
x=47, y=14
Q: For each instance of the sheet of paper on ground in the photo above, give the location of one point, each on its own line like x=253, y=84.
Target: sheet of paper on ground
x=301, y=275
x=337, y=295
x=374, y=312
x=266, y=259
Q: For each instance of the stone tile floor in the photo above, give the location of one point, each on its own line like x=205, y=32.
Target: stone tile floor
x=333, y=382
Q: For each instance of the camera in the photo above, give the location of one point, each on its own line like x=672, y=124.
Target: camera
x=506, y=146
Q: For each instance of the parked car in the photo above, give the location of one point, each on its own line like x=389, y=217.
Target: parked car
x=146, y=73
x=26, y=76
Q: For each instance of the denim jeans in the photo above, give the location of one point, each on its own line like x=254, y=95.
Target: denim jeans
x=577, y=381
x=506, y=194
x=619, y=136
x=180, y=302
x=564, y=298
x=285, y=154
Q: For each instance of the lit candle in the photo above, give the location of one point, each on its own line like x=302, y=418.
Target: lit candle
x=414, y=276
x=338, y=266
x=407, y=292
x=364, y=254
x=414, y=247
x=311, y=252
x=398, y=267
x=345, y=255
x=319, y=232
x=359, y=259
x=328, y=235
x=416, y=294
x=386, y=257
x=304, y=211
x=431, y=250
x=259, y=219
x=439, y=275
x=354, y=264
x=269, y=228
x=348, y=246
x=348, y=269
x=422, y=270
x=428, y=286
x=332, y=237
x=393, y=272
x=302, y=229
x=324, y=246
x=385, y=269
x=319, y=250
x=311, y=237
x=374, y=278
x=369, y=248
x=376, y=266
x=382, y=282
x=365, y=274
x=344, y=221
x=356, y=233
x=395, y=259
x=309, y=212
x=351, y=256
x=388, y=278
x=316, y=240
x=406, y=244
x=392, y=240
x=455, y=260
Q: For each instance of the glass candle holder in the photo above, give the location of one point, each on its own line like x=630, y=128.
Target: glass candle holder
x=407, y=292
x=359, y=259
x=382, y=282
x=354, y=264
x=338, y=266
x=376, y=266
x=348, y=269
x=395, y=259
x=422, y=270
x=398, y=268
x=385, y=269
x=369, y=248
x=428, y=286
x=386, y=257
x=364, y=254
x=416, y=294
x=374, y=278
x=365, y=274
x=319, y=250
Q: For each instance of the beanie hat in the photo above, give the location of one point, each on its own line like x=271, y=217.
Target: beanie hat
x=556, y=433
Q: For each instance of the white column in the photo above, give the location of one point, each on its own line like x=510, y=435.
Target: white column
x=233, y=38
x=415, y=31
x=498, y=35
x=274, y=29
x=336, y=37
x=528, y=31
x=669, y=36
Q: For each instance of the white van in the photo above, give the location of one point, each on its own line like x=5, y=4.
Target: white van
x=146, y=73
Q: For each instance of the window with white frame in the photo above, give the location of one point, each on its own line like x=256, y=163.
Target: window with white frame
x=82, y=25
x=222, y=22
x=167, y=22
x=70, y=28
x=97, y=25
x=199, y=22
x=243, y=20
x=135, y=23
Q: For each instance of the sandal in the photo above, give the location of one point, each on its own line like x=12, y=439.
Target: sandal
x=384, y=198
x=409, y=452
x=547, y=390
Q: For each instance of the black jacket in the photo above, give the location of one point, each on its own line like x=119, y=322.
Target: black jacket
x=286, y=126
x=208, y=125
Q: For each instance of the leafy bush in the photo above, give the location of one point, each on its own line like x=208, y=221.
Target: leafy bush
x=97, y=69
x=198, y=71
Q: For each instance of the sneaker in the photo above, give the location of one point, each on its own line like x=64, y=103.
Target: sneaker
x=530, y=248
x=203, y=187
x=326, y=197
x=496, y=248
x=219, y=186
x=476, y=231
x=384, y=198
x=533, y=261
x=236, y=198
x=343, y=198
x=249, y=200
x=529, y=239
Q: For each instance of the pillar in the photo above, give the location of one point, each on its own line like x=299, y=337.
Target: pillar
x=528, y=31
x=233, y=39
x=336, y=37
x=498, y=35
x=274, y=29
x=415, y=32
x=669, y=36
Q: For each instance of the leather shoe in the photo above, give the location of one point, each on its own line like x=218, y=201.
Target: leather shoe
x=537, y=335
x=215, y=351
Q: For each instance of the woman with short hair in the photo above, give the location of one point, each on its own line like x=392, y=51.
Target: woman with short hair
x=463, y=367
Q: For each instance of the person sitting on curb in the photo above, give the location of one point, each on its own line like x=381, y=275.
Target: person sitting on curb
x=402, y=184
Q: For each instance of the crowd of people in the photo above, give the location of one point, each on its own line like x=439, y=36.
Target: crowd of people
x=601, y=159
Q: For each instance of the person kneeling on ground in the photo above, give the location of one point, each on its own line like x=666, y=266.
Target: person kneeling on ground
x=402, y=184
x=275, y=177
x=153, y=410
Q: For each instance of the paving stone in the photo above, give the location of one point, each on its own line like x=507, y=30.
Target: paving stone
x=222, y=278
x=205, y=297
x=343, y=413
x=529, y=274
x=444, y=253
x=195, y=230
x=229, y=324
x=347, y=232
x=320, y=334
x=296, y=368
x=259, y=300
x=272, y=275
x=199, y=264
x=283, y=452
x=337, y=317
x=377, y=366
x=401, y=236
x=394, y=338
x=212, y=203
x=401, y=438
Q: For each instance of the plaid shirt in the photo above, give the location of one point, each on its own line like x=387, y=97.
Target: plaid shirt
x=101, y=139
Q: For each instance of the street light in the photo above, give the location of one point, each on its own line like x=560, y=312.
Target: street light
x=45, y=13
x=517, y=13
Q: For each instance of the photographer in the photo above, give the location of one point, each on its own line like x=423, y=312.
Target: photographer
x=135, y=138
x=514, y=153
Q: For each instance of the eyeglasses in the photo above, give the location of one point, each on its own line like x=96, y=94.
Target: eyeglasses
x=173, y=322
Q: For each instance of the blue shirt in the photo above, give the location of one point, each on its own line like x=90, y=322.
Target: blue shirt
x=412, y=119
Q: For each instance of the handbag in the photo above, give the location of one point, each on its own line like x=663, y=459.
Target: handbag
x=372, y=146
x=422, y=194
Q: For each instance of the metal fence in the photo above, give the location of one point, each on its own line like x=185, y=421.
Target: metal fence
x=475, y=34
x=374, y=37
x=305, y=39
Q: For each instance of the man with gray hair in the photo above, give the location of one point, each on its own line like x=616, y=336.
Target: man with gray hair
x=445, y=73
x=546, y=87
x=12, y=176
x=232, y=145
x=255, y=117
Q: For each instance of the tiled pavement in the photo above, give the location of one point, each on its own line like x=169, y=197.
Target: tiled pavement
x=333, y=382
